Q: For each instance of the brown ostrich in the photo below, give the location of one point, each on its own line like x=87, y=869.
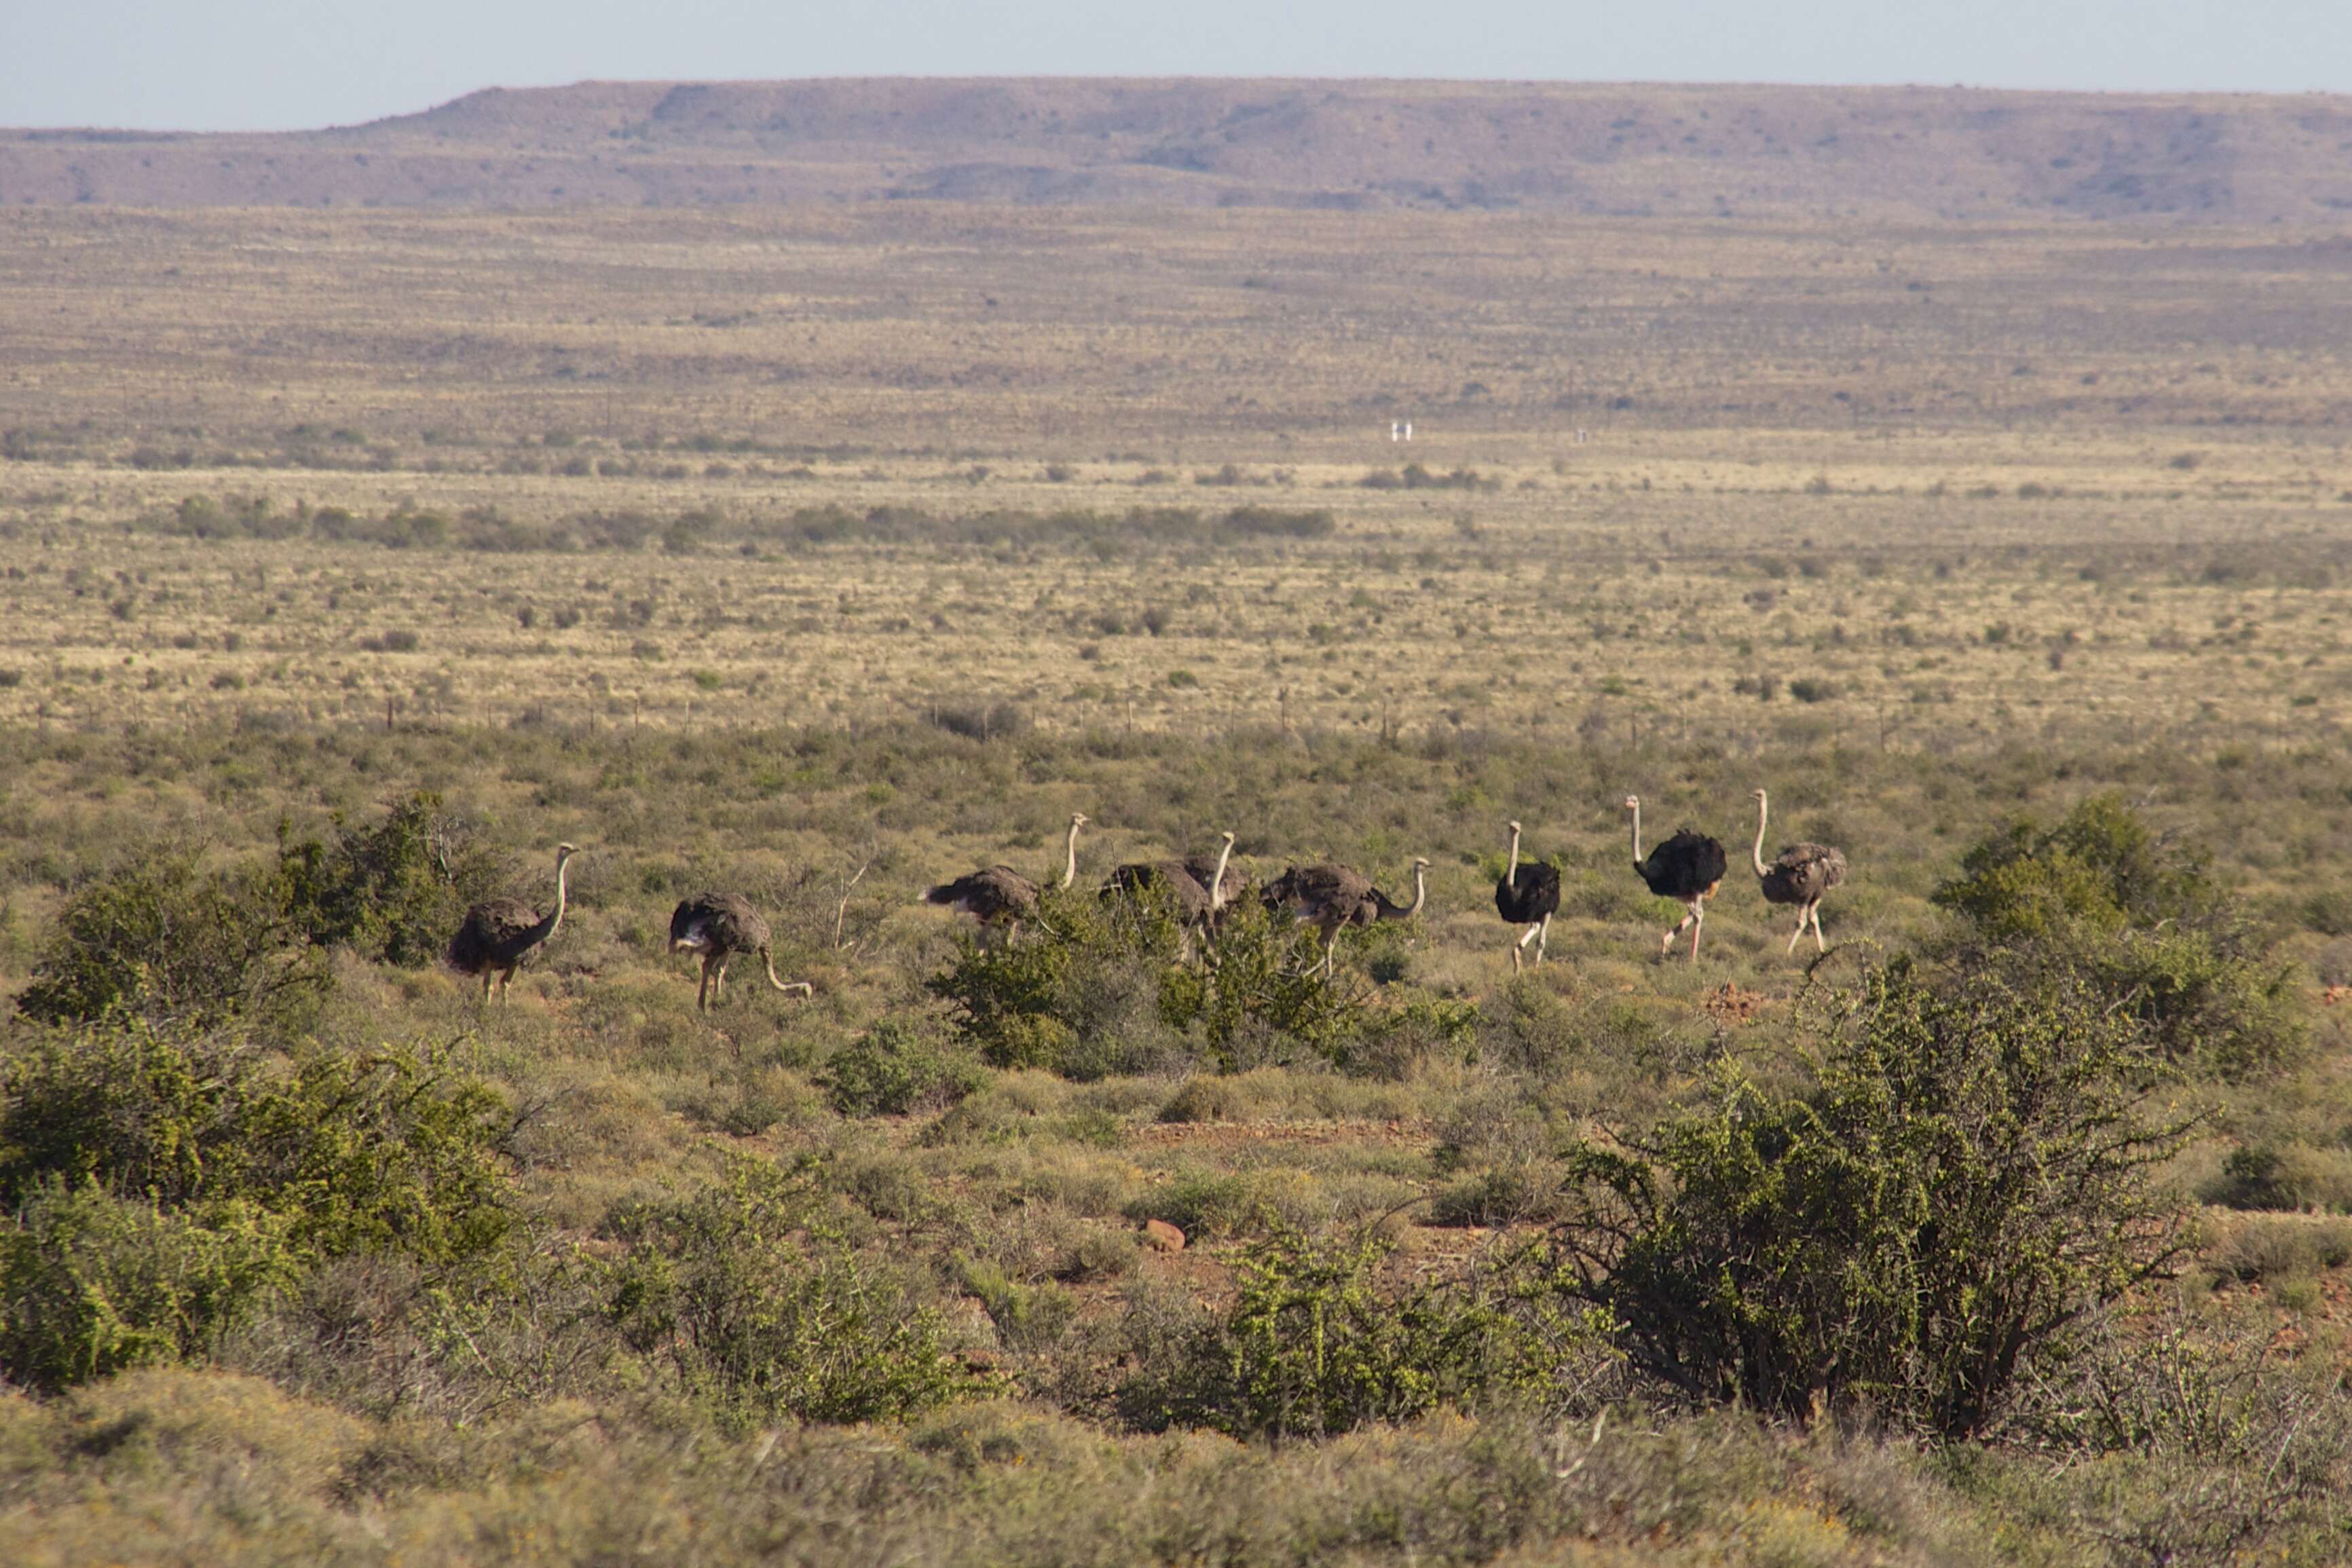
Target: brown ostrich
x=1001, y=896
x=1336, y=897
x=498, y=934
x=1799, y=875
x=718, y=926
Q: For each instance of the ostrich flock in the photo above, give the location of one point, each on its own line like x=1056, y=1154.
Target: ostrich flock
x=498, y=934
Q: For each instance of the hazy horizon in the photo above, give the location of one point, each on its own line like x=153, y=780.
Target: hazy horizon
x=276, y=65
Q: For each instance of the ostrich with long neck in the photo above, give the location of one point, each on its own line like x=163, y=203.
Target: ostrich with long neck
x=1688, y=868
x=498, y=934
x=715, y=927
x=1799, y=876
x=1196, y=888
x=1527, y=896
x=1001, y=896
x=1336, y=897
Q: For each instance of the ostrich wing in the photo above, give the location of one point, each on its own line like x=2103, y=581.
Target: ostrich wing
x=495, y=931
x=1803, y=872
x=1315, y=891
x=989, y=893
x=1201, y=867
x=1184, y=890
x=1685, y=866
x=1527, y=897
x=718, y=923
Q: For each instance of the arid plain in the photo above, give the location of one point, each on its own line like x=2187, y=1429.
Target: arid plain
x=829, y=550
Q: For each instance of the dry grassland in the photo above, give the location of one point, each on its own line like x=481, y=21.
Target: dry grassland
x=1921, y=526
x=1966, y=481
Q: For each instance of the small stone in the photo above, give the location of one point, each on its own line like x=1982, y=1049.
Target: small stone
x=1162, y=1236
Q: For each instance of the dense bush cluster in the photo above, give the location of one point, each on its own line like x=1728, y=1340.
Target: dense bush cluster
x=1115, y=986
x=1968, y=1172
x=163, y=1185
x=757, y=1307
x=2100, y=900
x=174, y=935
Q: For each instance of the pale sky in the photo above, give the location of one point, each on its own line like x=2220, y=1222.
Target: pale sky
x=287, y=64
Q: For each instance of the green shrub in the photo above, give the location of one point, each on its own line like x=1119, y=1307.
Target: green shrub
x=1314, y=1345
x=754, y=1306
x=2101, y=901
x=893, y=1070
x=165, y=937
x=394, y=1152
x=1968, y=1172
x=1028, y=1318
x=2102, y=866
x=91, y=1283
x=392, y=892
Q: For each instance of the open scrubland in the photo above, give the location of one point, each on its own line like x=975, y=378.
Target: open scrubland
x=355, y=560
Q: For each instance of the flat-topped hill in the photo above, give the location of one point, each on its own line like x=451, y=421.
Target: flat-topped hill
x=1740, y=150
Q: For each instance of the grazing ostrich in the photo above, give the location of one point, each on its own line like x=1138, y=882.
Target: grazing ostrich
x=1337, y=896
x=1687, y=868
x=999, y=895
x=1799, y=875
x=718, y=926
x=1527, y=896
x=1198, y=888
x=498, y=934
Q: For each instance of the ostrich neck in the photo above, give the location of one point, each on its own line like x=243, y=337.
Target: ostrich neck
x=1762, y=811
x=1511, y=872
x=555, y=921
x=1637, y=836
x=1070, y=859
x=1389, y=911
x=1217, y=881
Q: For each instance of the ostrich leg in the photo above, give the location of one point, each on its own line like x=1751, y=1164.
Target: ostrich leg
x=1803, y=915
x=702, y=992
x=1543, y=935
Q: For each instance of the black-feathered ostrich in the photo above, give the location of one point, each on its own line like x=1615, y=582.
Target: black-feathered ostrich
x=498, y=934
x=1198, y=889
x=1687, y=868
x=1799, y=875
x=1334, y=896
x=718, y=926
x=1527, y=896
x=1001, y=896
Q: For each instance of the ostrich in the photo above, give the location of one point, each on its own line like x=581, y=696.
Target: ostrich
x=718, y=926
x=999, y=895
x=498, y=934
x=1687, y=868
x=1338, y=896
x=1529, y=898
x=1799, y=875
x=1198, y=888
x=1224, y=881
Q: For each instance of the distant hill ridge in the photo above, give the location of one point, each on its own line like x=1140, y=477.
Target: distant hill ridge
x=1665, y=151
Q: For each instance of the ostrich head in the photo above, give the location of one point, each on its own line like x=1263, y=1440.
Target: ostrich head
x=1757, y=795
x=1078, y=819
x=1633, y=803
x=564, y=852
